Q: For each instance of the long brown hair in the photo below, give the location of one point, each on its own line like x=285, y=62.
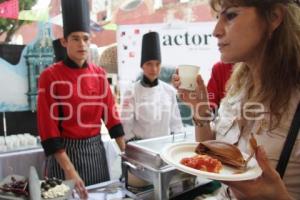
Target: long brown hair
x=280, y=71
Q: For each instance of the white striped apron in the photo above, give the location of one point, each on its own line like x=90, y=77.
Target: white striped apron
x=88, y=157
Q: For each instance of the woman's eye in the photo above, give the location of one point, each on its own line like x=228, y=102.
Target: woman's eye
x=230, y=15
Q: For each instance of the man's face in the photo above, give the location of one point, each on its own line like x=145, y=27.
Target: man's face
x=77, y=45
x=151, y=69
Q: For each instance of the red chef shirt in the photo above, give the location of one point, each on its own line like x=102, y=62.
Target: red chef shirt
x=220, y=74
x=72, y=102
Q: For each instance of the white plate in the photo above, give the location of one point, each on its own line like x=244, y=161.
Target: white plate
x=173, y=154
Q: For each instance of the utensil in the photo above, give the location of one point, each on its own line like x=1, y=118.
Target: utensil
x=253, y=146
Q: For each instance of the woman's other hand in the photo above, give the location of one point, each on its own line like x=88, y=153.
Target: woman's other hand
x=268, y=186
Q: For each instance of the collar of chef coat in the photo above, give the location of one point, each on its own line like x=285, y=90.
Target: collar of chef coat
x=147, y=83
x=70, y=63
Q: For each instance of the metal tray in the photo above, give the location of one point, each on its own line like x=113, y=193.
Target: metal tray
x=147, y=152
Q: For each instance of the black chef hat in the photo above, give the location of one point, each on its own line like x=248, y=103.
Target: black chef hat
x=76, y=16
x=59, y=50
x=150, y=47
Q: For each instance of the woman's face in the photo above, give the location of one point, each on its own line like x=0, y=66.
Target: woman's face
x=241, y=33
x=151, y=69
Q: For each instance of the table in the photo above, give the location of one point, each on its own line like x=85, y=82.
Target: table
x=19, y=162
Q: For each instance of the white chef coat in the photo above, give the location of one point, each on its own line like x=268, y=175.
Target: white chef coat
x=149, y=112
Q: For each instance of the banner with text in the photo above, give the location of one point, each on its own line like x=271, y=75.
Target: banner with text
x=181, y=43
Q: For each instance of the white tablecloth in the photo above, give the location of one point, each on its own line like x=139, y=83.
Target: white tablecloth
x=19, y=162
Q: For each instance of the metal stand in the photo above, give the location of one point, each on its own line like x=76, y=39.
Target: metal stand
x=4, y=127
x=160, y=178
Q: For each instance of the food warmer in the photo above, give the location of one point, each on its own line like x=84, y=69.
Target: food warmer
x=142, y=159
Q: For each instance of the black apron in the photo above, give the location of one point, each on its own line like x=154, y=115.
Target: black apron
x=88, y=157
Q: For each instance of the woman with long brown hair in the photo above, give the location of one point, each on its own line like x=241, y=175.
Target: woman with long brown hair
x=263, y=38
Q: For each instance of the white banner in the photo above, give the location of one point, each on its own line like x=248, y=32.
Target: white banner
x=181, y=43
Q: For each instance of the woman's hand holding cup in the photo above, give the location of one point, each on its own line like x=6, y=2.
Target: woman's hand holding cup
x=191, y=87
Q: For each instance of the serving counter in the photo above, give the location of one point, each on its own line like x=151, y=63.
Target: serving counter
x=116, y=190
x=19, y=161
x=142, y=159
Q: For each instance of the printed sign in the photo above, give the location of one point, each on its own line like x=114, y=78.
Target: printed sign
x=186, y=43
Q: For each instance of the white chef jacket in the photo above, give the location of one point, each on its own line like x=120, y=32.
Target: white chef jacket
x=149, y=112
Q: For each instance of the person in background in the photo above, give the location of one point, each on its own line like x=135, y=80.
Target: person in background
x=150, y=108
x=216, y=85
x=263, y=37
x=73, y=97
x=59, y=51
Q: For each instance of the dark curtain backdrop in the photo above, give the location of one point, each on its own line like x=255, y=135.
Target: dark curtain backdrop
x=19, y=122
x=11, y=53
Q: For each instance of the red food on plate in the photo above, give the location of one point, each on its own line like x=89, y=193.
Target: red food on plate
x=203, y=162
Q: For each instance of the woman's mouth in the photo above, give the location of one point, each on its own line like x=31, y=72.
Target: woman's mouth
x=222, y=46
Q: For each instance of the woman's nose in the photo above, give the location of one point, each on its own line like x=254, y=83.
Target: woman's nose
x=218, y=30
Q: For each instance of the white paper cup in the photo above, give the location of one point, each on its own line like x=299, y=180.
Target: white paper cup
x=15, y=141
x=2, y=141
x=9, y=143
x=23, y=141
x=188, y=75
